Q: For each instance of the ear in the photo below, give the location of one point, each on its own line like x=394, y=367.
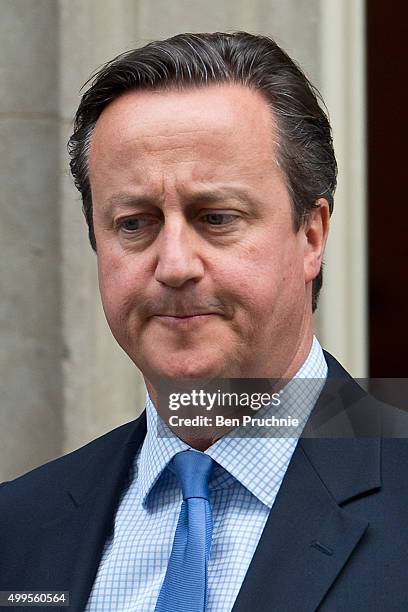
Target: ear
x=315, y=230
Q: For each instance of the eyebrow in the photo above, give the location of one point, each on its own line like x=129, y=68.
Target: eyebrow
x=128, y=200
x=209, y=196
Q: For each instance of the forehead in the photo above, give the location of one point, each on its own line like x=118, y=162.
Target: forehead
x=215, y=133
x=217, y=110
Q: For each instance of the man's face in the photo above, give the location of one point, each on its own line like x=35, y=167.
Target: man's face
x=201, y=273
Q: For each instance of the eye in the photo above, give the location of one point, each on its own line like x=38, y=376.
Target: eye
x=216, y=218
x=134, y=224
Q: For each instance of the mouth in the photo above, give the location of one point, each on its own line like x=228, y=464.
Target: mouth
x=183, y=321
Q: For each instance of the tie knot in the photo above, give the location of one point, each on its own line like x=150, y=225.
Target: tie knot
x=193, y=470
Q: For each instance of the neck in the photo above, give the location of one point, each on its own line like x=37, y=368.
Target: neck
x=202, y=435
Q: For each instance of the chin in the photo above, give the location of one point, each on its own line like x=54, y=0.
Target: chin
x=190, y=371
x=178, y=368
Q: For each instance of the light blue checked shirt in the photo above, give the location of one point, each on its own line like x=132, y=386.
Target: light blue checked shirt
x=246, y=479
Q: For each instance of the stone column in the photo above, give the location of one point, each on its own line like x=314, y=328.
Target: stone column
x=30, y=325
x=343, y=311
x=102, y=388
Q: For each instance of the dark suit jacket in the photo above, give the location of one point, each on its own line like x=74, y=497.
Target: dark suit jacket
x=336, y=539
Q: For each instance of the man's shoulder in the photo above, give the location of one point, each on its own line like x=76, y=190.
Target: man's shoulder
x=364, y=405
x=43, y=482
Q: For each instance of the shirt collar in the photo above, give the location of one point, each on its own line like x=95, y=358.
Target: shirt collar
x=255, y=462
x=158, y=449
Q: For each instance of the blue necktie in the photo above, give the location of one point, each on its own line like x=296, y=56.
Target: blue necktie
x=184, y=587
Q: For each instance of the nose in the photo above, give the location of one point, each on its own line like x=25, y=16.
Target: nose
x=178, y=260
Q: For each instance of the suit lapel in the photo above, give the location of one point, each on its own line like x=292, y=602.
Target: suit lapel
x=306, y=541
x=79, y=536
x=310, y=535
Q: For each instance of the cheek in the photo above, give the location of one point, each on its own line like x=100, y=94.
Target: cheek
x=114, y=286
x=250, y=285
x=261, y=280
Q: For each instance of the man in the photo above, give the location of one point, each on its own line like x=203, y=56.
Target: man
x=207, y=173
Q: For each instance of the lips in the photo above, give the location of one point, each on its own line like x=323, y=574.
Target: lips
x=178, y=306
x=184, y=315
x=183, y=321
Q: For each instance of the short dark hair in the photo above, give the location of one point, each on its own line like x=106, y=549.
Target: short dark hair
x=305, y=148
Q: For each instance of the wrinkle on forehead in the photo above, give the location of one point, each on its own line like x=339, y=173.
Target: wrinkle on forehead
x=179, y=141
